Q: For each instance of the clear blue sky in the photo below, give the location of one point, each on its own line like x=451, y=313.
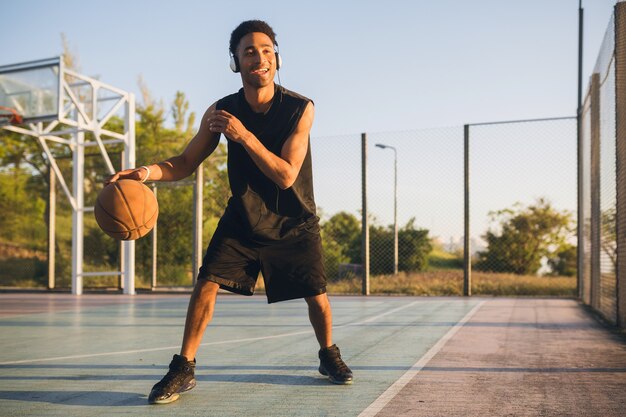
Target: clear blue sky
x=370, y=66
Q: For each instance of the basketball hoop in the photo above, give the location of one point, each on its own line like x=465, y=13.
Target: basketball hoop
x=12, y=117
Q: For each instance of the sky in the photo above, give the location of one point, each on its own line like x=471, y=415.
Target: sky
x=370, y=66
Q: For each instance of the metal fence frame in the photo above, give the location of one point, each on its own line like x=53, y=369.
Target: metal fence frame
x=596, y=288
x=620, y=129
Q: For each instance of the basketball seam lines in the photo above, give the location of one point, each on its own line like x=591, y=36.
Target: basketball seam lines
x=130, y=212
x=111, y=216
x=143, y=212
x=156, y=213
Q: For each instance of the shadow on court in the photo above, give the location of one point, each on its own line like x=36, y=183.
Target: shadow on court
x=84, y=398
x=258, y=378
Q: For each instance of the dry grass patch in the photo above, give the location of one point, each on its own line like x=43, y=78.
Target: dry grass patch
x=450, y=282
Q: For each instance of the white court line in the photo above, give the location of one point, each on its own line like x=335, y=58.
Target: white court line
x=371, y=319
x=378, y=404
x=220, y=342
x=124, y=352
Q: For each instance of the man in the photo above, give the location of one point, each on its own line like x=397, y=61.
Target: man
x=269, y=224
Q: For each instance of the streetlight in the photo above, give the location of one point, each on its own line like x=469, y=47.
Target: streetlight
x=395, y=204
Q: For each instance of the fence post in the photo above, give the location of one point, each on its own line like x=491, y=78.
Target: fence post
x=365, y=232
x=595, y=191
x=580, y=224
x=580, y=217
x=467, y=250
x=128, y=251
x=52, y=207
x=620, y=139
x=197, y=224
x=154, y=243
x=78, y=214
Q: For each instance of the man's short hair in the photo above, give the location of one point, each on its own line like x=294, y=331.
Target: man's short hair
x=250, y=26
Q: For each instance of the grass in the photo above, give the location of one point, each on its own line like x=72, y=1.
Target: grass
x=450, y=282
x=440, y=282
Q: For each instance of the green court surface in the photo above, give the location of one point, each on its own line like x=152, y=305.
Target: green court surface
x=256, y=359
x=99, y=355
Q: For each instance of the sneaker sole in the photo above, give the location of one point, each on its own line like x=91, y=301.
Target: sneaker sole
x=337, y=382
x=167, y=400
x=190, y=385
x=333, y=380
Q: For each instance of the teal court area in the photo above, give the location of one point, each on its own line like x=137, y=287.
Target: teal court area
x=99, y=355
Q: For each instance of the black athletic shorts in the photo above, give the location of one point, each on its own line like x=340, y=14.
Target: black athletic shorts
x=292, y=268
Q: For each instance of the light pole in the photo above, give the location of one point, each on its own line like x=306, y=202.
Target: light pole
x=395, y=205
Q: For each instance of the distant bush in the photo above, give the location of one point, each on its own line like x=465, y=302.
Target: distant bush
x=523, y=237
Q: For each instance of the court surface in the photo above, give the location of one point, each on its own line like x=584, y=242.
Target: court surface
x=99, y=355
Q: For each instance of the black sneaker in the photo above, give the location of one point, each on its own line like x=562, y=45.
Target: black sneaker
x=180, y=378
x=334, y=367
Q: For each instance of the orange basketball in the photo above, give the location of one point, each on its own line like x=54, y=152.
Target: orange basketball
x=126, y=210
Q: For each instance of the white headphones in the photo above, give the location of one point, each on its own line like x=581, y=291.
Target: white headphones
x=234, y=62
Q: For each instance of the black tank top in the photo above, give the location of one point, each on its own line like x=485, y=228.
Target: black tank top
x=258, y=206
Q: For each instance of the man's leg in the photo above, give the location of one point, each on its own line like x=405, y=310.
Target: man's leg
x=321, y=318
x=199, y=314
x=181, y=376
x=331, y=363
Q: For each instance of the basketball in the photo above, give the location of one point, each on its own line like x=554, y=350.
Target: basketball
x=126, y=210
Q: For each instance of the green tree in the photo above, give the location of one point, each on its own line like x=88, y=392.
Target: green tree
x=341, y=236
x=564, y=261
x=334, y=255
x=180, y=108
x=23, y=210
x=524, y=236
x=413, y=248
x=345, y=229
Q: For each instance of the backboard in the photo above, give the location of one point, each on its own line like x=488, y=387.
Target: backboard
x=31, y=89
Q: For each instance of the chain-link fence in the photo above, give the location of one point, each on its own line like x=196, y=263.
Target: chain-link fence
x=415, y=186
x=523, y=196
x=602, y=205
x=620, y=138
x=414, y=196
x=337, y=184
x=429, y=205
x=415, y=180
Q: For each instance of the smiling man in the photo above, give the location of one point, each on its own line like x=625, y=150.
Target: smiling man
x=269, y=225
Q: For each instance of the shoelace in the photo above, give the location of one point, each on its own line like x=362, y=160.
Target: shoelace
x=339, y=364
x=173, y=376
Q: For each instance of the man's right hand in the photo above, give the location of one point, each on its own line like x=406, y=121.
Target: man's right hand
x=137, y=174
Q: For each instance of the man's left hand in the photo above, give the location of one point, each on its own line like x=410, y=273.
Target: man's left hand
x=221, y=121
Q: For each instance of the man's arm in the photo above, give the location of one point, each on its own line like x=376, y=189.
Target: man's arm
x=181, y=166
x=282, y=170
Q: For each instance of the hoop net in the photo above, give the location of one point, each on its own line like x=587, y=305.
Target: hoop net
x=12, y=117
